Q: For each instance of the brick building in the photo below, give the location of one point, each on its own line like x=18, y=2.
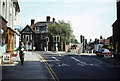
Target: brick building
x=35, y=35
x=116, y=31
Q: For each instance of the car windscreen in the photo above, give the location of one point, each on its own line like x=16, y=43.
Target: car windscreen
x=106, y=50
x=100, y=50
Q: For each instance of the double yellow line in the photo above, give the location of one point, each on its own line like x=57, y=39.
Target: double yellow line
x=52, y=73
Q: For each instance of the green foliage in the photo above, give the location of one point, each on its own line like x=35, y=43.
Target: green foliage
x=63, y=29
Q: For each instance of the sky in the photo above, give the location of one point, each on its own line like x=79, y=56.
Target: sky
x=91, y=18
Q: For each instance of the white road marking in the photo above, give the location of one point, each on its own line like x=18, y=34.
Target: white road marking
x=80, y=62
x=60, y=54
x=98, y=60
x=55, y=58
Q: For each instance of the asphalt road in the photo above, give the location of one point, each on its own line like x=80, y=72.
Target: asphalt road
x=84, y=66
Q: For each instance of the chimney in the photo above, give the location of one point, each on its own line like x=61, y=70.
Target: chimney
x=53, y=20
x=32, y=21
x=118, y=9
x=48, y=18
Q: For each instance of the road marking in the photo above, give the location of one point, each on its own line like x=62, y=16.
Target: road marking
x=98, y=60
x=54, y=76
x=60, y=55
x=55, y=58
x=80, y=62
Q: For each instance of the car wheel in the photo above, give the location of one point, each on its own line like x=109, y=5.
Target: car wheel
x=107, y=56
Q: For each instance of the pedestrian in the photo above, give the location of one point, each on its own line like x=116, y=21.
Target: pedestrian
x=21, y=52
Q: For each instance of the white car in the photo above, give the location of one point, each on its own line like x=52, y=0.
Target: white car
x=104, y=52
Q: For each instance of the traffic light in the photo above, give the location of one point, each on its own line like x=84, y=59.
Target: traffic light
x=54, y=38
x=58, y=38
x=47, y=39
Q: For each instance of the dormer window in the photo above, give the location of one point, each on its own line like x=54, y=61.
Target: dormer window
x=36, y=28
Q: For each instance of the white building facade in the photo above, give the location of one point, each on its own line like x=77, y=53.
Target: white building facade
x=9, y=10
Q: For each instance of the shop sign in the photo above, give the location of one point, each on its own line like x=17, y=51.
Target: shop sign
x=6, y=57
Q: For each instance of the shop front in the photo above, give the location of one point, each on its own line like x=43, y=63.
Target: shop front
x=10, y=40
x=3, y=36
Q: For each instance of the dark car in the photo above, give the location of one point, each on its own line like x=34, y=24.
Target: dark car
x=103, y=52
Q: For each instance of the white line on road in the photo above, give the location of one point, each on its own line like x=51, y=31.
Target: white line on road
x=80, y=62
x=98, y=60
x=60, y=54
x=55, y=58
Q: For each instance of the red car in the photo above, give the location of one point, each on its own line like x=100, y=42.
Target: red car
x=103, y=52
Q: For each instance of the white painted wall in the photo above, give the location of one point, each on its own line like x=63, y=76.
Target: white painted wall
x=9, y=14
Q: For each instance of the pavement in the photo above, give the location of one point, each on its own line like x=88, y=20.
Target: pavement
x=32, y=68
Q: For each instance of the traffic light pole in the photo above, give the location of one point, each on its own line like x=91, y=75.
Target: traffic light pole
x=47, y=40
x=56, y=44
x=56, y=39
x=47, y=46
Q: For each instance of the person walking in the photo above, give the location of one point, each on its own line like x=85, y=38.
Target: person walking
x=21, y=52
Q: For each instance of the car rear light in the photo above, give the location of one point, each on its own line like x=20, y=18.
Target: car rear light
x=108, y=53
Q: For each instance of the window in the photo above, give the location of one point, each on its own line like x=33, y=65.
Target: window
x=3, y=9
x=37, y=28
x=27, y=37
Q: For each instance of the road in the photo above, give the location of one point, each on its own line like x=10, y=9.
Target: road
x=79, y=66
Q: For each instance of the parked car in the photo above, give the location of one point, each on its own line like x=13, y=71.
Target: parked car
x=103, y=52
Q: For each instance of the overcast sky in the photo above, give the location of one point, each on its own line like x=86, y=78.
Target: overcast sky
x=90, y=18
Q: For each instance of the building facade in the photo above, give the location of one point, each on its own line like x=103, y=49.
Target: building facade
x=36, y=35
x=27, y=36
x=9, y=10
x=116, y=32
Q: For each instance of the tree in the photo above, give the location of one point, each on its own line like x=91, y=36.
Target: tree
x=62, y=29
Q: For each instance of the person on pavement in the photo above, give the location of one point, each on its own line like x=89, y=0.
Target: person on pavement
x=21, y=52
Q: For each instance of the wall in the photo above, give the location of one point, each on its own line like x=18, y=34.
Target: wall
x=8, y=12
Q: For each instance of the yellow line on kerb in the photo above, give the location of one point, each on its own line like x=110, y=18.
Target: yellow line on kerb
x=49, y=68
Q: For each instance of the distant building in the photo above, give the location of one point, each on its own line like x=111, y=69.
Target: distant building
x=27, y=36
x=116, y=32
x=36, y=34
